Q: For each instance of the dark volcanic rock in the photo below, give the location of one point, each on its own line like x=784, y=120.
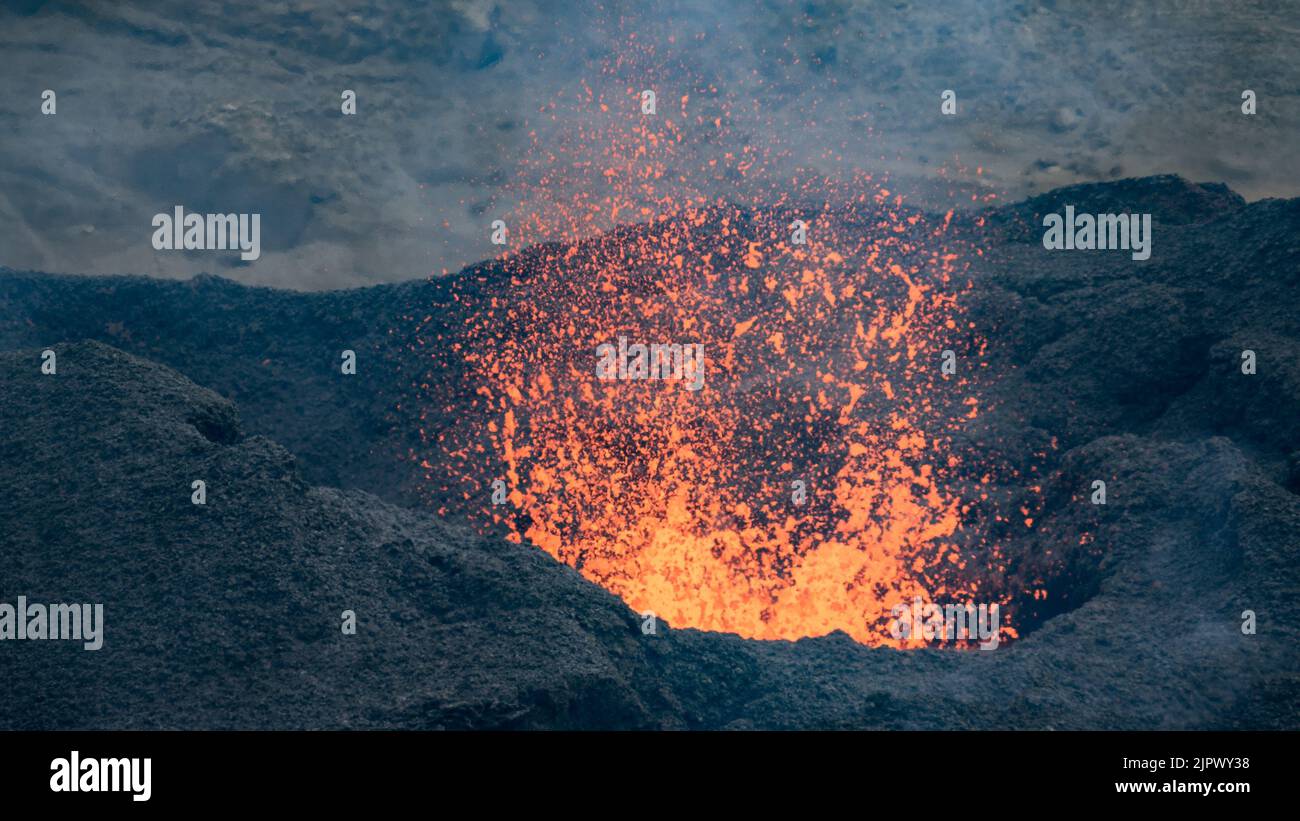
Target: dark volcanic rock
x=228, y=615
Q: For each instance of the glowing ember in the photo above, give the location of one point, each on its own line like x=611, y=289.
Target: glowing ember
x=821, y=375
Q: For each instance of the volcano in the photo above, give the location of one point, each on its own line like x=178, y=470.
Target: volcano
x=652, y=563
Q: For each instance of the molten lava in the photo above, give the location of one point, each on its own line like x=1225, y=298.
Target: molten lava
x=802, y=489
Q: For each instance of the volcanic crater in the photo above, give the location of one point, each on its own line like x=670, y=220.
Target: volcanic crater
x=374, y=492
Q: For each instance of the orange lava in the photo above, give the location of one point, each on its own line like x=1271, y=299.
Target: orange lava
x=822, y=366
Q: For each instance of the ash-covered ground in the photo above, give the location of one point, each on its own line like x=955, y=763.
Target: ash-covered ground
x=227, y=615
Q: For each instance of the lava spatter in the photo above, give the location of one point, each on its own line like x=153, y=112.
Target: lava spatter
x=821, y=380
